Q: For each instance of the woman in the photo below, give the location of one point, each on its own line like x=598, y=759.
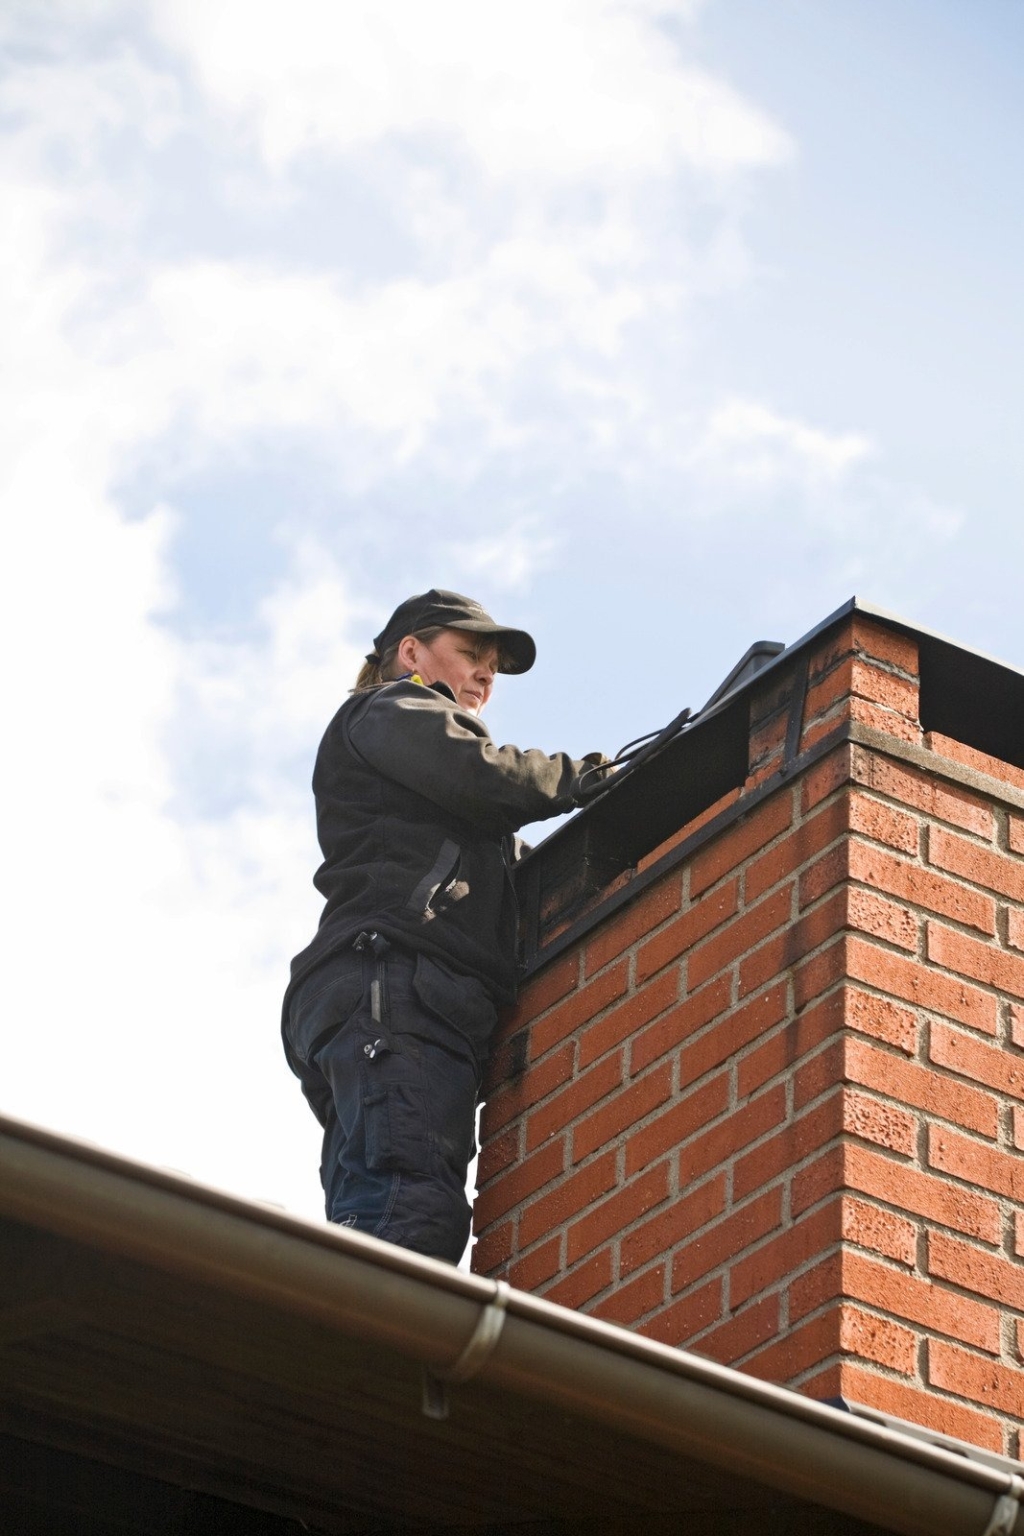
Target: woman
x=390, y=1010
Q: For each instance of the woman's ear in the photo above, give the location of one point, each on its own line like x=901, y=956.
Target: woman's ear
x=408, y=654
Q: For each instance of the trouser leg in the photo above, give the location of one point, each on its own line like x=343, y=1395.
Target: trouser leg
x=403, y=1077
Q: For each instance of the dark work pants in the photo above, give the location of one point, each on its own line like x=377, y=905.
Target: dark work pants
x=390, y=1052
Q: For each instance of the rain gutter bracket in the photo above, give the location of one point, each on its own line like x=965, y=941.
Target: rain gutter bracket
x=1006, y=1510
x=479, y=1348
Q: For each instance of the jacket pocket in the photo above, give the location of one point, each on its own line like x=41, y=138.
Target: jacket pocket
x=441, y=886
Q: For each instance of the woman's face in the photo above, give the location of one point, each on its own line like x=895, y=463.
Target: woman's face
x=466, y=662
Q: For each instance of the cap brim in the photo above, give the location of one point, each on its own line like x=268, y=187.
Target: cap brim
x=518, y=651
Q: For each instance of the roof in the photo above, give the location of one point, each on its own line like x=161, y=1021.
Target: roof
x=177, y=1358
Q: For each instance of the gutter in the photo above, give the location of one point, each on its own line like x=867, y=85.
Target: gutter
x=460, y=1325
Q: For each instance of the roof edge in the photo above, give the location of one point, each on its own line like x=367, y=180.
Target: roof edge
x=431, y=1311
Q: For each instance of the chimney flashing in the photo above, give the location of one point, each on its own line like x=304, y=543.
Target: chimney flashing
x=599, y=859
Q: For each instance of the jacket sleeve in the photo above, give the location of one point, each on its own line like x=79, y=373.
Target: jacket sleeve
x=420, y=738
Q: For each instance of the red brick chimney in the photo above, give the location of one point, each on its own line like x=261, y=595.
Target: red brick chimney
x=763, y=1095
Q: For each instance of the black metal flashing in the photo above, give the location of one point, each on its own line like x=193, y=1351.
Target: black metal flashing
x=964, y=694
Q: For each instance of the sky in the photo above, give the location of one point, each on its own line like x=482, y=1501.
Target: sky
x=659, y=328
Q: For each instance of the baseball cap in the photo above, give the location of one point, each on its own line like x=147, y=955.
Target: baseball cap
x=450, y=610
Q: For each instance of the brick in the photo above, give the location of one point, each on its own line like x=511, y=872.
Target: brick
x=981, y=762
x=620, y=1210
x=865, y=1012
x=881, y=1018
x=876, y=640
x=765, y=745
x=801, y=845
x=640, y=916
x=667, y=1130
x=781, y=1153
x=910, y=1299
x=883, y=823
x=729, y=1035
x=508, y=1053
x=860, y=1385
x=820, y=1074
x=968, y=1375
x=923, y=792
x=769, y=1265
x=526, y=1090
x=881, y=919
x=888, y=721
x=628, y=1017
x=824, y=778
x=531, y=1272
x=916, y=1085
x=908, y=979
x=782, y=953
x=519, y=1183
x=675, y=940
x=879, y=1339
x=676, y=1026
x=744, y=1227
x=549, y=986
x=861, y=1170
x=583, y=1284
x=722, y=949
x=994, y=870
x=884, y=1232
x=622, y=1111
x=688, y=1316
x=1000, y=1173
x=629, y=1302
x=989, y=1064
x=660, y=1233
x=981, y=962
x=581, y=1007
x=497, y=1154
x=586, y=1090
x=820, y=972
x=883, y=1124
x=567, y=1199
x=493, y=1249
x=1016, y=834
x=1018, y=1129
x=825, y=1175
x=746, y=1331
x=802, y=1347
x=1017, y=1025
x=863, y=681
x=986, y=1274
x=1015, y=928
x=921, y=887
x=735, y=846
x=747, y=1123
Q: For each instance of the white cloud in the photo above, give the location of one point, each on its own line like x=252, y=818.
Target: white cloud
x=555, y=89
x=747, y=442
x=508, y=559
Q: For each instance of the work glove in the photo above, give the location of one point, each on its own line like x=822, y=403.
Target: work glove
x=591, y=780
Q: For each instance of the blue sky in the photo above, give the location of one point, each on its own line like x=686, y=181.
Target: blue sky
x=660, y=328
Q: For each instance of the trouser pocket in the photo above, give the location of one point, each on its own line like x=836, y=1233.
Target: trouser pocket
x=396, y=1135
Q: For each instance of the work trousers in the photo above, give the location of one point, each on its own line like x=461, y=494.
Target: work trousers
x=390, y=1048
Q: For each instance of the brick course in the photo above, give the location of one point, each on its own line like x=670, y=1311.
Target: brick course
x=773, y=1109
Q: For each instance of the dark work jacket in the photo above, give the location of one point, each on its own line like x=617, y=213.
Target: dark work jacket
x=416, y=808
